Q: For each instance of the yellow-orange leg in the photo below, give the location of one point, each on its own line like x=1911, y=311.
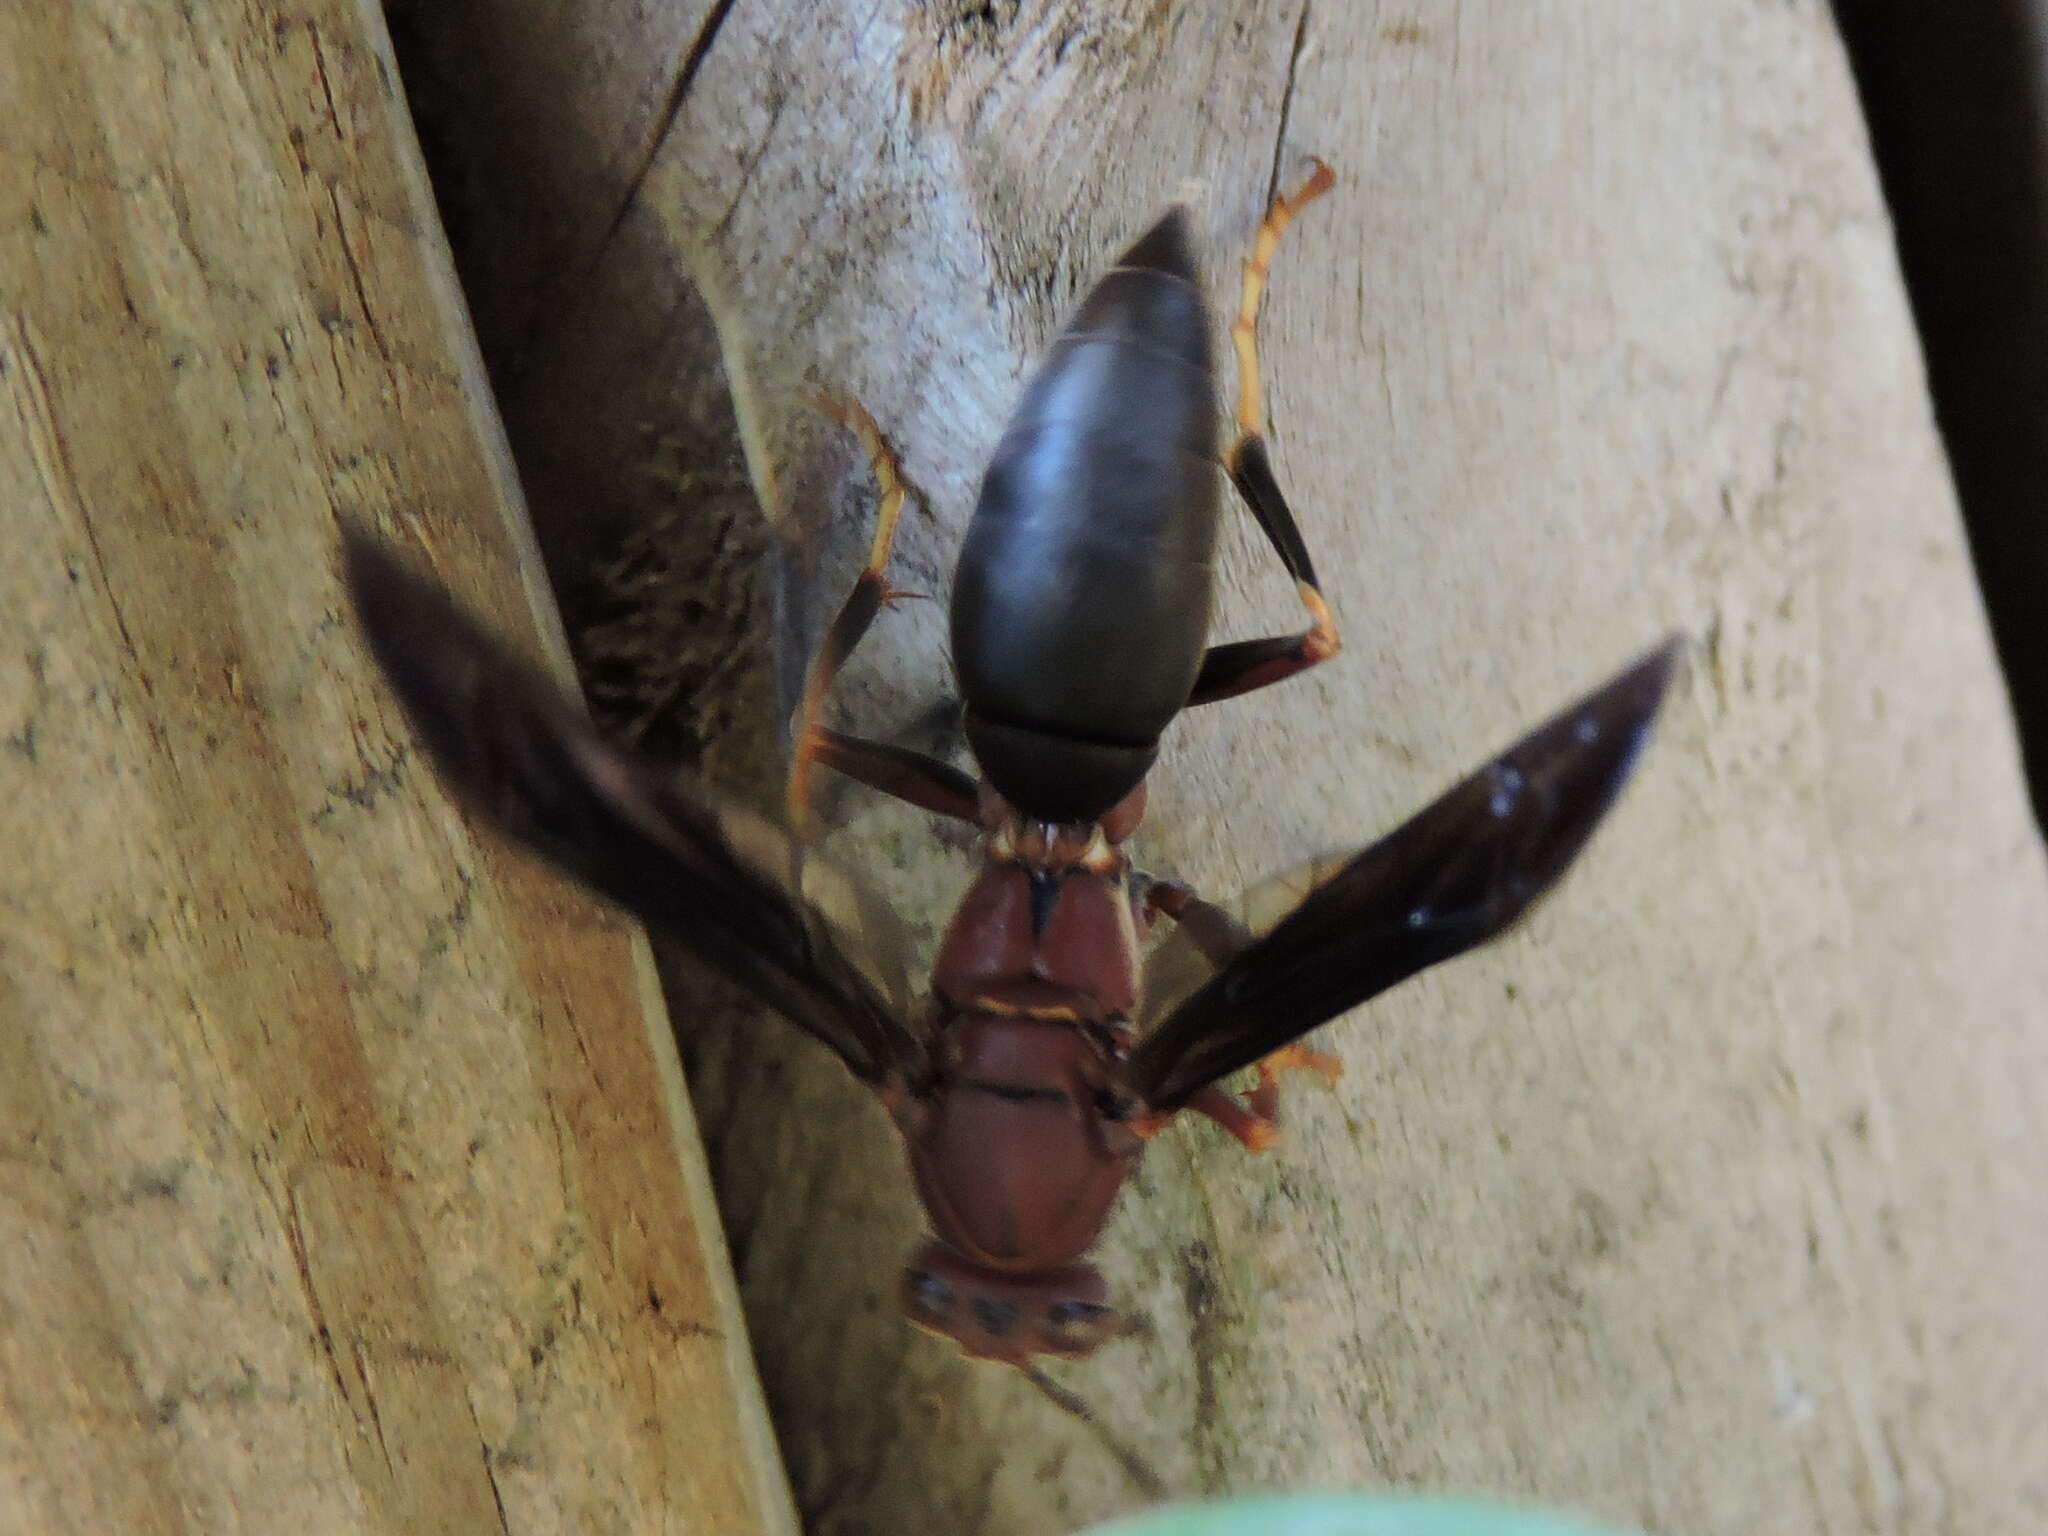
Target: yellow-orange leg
x=1244, y=330
x=871, y=594
x=1254, y=1120
x=1253, y=1131
x=911, y=776
x=1229, y=670
x=1264, y=1099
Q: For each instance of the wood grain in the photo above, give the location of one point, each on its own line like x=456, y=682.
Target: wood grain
x=1711, y=1201
x=346, y=1179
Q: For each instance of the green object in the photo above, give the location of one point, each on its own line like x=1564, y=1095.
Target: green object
x=1350, y=1515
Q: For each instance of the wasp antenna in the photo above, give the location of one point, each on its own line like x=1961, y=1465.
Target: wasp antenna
x=1135, y=1466
x=1058, y=1395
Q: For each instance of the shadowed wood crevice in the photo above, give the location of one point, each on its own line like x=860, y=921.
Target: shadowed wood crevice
x=1957, y=120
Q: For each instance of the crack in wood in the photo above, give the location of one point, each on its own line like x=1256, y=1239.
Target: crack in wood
x=658, y=132
x=1287, y=102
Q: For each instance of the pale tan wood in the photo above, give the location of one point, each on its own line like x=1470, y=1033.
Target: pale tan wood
x=346, y=1180
x=1711, y=1201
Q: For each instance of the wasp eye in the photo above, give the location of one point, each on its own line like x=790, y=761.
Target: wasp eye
x=997, y=1317
x=929, y=1294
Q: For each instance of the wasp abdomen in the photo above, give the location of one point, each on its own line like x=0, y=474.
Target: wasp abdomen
x=1081, y=603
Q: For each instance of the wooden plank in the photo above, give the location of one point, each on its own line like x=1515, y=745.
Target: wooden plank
x=348, y=1182
x=1709, y=1202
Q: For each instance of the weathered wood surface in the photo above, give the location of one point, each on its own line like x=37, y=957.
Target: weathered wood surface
x=1712, y=1200
x=346, y=1177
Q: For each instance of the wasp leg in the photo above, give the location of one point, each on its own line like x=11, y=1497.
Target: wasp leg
x=1218, y=936
x=1253, y=1120
x=897, y=771
x=1264, y=1099
x=1229, y=670
x=923, y=781
x=1251, y=1128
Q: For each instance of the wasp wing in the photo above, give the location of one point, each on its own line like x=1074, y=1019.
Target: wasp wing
x=730, y=887
x=1240, y=980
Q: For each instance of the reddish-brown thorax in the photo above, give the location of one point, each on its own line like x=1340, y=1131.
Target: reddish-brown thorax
x=1018, y=1149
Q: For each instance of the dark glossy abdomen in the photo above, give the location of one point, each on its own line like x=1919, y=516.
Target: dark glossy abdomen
x=1081, y=604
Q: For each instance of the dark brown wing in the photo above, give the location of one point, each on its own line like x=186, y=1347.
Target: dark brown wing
x=1324, y=938
x=728, y=886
